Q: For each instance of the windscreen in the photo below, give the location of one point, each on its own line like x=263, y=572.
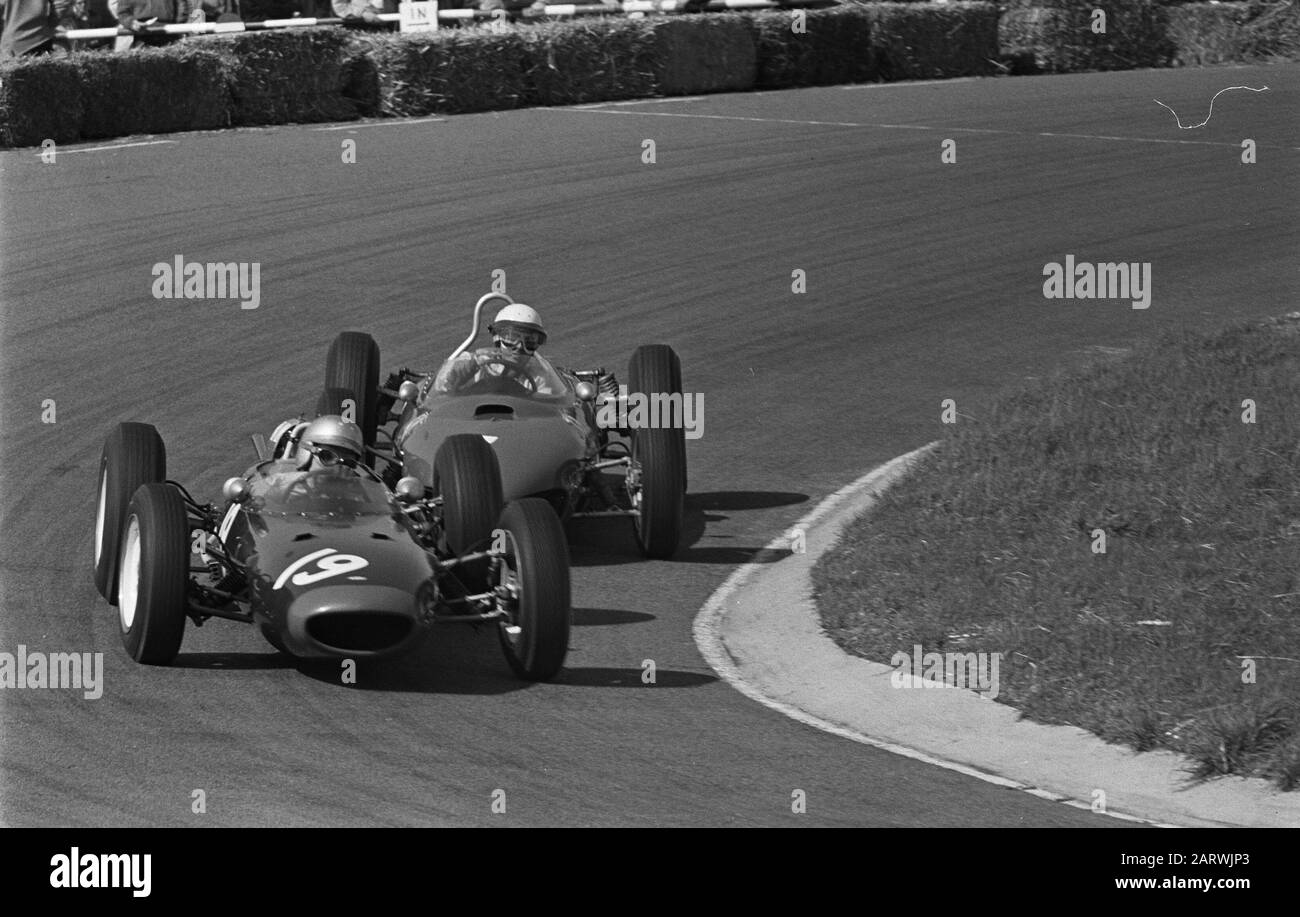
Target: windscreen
x=326, y=491
x=489, y=371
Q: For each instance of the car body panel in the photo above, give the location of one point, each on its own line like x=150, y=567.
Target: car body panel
x=534, y=436
x=331, y=561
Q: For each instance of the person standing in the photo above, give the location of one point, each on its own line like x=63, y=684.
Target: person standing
x=29, y=26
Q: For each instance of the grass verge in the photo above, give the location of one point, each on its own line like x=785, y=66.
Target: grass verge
x=1185, y=633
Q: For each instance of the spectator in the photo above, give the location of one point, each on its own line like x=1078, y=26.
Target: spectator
x=29, y=26
x=214, y=11
x=511, y=6
x=136, y=15
x=353, y=11
x=261, y=10
x=88, y=14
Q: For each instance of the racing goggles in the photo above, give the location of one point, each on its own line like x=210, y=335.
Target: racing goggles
x=331, y=457
x=517, y=338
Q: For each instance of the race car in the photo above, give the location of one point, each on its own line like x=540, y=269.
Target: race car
x=541, y=422
x=326, y=559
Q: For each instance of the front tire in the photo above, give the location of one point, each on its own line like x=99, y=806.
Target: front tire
x=536, y=567
x=133, y=455
x=468, y=476
x=333, y=401
x=154, y=569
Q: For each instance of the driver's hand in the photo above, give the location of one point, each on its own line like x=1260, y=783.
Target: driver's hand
x=497, y=355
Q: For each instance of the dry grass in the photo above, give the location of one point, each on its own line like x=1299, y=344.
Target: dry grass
x=1185, y=633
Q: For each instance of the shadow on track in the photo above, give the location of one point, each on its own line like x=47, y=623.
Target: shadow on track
x=234, y=661
x=599, y=677
x=465, y=660
x=738, y=500
x=704, y=508
x=600, y=617
x=608, y=542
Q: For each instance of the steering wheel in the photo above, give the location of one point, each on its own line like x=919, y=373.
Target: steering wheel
x=509, y=369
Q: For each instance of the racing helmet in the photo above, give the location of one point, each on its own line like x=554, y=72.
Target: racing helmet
x=518, y=327
x=332, y=440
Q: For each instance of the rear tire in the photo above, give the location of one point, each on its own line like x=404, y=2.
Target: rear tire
x=352, y=366
x=133, y=455
x=468, y=476
x=658, y=521
x=656, y=368
x=537, y=561
x=154, y=566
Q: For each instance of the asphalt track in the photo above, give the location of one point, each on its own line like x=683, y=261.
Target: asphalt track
x=924, y=283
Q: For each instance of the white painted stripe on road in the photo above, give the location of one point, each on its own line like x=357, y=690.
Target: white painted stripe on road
x=906, y=83
x=117, y=146
x=643, y=101
x=707, y=631
x=353, y=127
x=681, y=114
x=902, y=127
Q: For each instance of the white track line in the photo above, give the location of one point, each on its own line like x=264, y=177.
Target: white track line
x=708, y=626
x=903, y=127
x=117, y=146
x=904, y=84
x=644, y=101
x=353, y=127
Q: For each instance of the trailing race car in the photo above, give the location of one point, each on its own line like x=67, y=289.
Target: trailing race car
x=316, y=550
x=541, y=422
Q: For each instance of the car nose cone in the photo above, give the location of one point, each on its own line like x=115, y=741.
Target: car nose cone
x=351, y=621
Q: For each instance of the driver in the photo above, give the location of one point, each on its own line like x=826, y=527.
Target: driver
x=517, y=333
x=330, y=442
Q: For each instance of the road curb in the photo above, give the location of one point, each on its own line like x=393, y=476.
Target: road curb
x=760, y=631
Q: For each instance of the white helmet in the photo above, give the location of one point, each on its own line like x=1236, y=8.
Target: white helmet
x=523, y=321
x=332, y=440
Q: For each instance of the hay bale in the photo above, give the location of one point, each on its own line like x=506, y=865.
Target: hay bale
x=40, y=99
x=1204, y=34
x=292, y=75
x=449, y=71
x=591, y=60
x=933, y=41
x=707, y=53
x=1059, y=35
x=834, y=46
x=152, y=91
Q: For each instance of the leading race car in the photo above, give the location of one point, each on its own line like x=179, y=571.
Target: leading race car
x=313, y=547
x=541, y=422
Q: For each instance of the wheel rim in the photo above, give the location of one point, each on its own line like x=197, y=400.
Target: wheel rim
x=508, y=576
x=99, y=515
x=128, y=589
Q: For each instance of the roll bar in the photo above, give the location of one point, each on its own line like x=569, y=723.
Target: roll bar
x=478, y=311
